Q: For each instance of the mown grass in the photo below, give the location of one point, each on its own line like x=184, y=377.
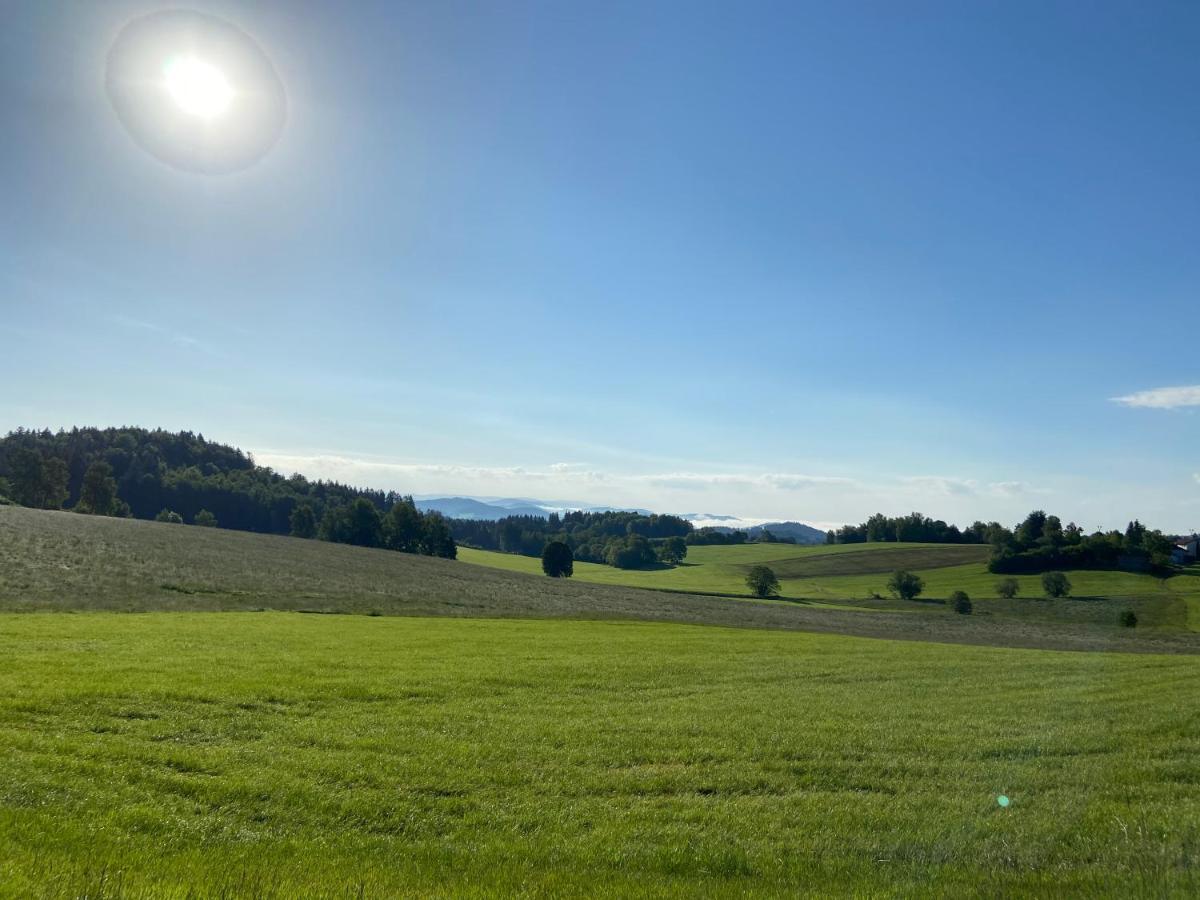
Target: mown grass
x=280, y=755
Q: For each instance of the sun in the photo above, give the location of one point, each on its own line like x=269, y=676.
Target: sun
x=198, y=88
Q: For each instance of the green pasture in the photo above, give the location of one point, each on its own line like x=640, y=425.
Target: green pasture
x=850, y=575
x=282, y=755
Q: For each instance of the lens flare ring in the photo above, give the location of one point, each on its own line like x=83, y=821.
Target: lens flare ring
x=195, y=92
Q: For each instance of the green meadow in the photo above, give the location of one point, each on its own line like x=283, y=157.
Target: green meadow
x=851, y=575
x=190, y=712
x=281, y=755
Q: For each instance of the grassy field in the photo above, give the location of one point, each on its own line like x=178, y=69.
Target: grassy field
x=847, y=576
x=275, y=755
x=448, y=729
x=61, y=561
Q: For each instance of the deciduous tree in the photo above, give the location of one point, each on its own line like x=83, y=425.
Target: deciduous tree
x=762, y=581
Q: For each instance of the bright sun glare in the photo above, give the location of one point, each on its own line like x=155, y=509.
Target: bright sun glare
x=198, y=88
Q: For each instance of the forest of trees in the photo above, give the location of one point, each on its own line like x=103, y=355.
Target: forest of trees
x=627, y=540
x=182, y=477
x=914, y=527
x=152, y=474
x=1041, y=543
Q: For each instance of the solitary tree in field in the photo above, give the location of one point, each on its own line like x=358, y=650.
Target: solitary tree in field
x=762, y=581
x=905, y=585
x=557, y=560
x=205, y=519
x=961, y=603
x=303, y=522
x=98, y=495
x=1007, y=588
x=1056, y=584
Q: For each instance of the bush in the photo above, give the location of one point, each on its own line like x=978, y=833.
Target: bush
x=1128, y=619
x=905, y=585
x=169, y=515
x=205, y=519
x=1008, y=588
x=762, y=581
x=1056, y=584
x=961, y=603
x=557, y=560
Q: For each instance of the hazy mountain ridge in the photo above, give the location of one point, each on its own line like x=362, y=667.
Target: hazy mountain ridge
x=494, y=508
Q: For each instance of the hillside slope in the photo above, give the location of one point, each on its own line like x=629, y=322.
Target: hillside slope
x=63, y=561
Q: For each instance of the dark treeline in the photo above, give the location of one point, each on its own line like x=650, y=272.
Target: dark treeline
x=151, y=474
x=1041, y=543
x=912, y=528
x=627, y=540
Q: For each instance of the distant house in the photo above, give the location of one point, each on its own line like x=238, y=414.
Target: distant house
x=1186, y=552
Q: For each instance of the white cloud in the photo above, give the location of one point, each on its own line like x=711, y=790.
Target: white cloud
x=567, y=467
x=1163, y=398
x=1008, y=488
x=439, y=476
x=349, y=468
x=781, y=481
x=954, y=487
x=761, y=496
x=950, y=486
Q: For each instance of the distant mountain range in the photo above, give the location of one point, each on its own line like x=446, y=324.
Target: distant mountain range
x=492, y=508
x=804, y=534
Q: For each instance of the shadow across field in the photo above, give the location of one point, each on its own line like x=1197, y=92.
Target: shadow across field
x=57, y=561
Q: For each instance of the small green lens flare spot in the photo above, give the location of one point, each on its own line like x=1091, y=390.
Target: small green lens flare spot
x=1002, y=800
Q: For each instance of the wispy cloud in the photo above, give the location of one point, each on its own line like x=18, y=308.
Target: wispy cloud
x=175, y=337
x=1163, y=397
x=781, y=481
x=356, y=470
x=939, y=484
x=1009, y=488
x=966, y=487
x=768, y=495
x=344, y=466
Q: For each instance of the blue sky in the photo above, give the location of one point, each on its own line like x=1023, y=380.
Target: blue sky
x=772, y=260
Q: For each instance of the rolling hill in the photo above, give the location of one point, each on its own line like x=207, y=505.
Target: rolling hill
x=854, y=576
x=65, y=561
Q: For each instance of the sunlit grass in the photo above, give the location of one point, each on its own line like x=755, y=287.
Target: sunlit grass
x=276, y=755
x=1172, y=603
